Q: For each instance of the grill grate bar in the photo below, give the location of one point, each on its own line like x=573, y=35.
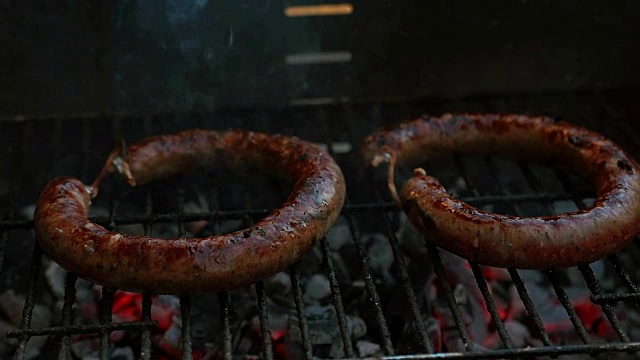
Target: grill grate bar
x=81, y=329
x=592, y=282
x=106, y=306
x=302, y=318
x=531, y=352
x=613, y=298
x=263, y=311
x=337, y=298
x=223, y=300
x=374, y=297
x=568, y=306
x=185, y=311
x=69, y=299
x=185, y=300
x=145, y=348
x=29, y=303
x=596, y=289
x=491, y=306
x=240, y=214
x=530, y=307
x=587, y=273
x=515, y=276
x=223, y=296
x=438, y=268
x=423, y=337
x=425, y=342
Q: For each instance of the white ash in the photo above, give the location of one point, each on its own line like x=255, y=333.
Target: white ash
x=172, y=338
x=368, y=348
x=357, y=327
x=122, y=353
x=519, y=334
x=27, y=212
x=228, y=226
x=434, y=331
x=87, y=349
x=339, y=235
x=279, y=283
x=324, y=331
x=196, y=206
x=411, y=241
x=380, y=256
x=55, y=277
x=317, y=288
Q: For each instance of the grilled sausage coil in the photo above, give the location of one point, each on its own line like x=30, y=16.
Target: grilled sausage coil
x=564, y=240
x=224, y=262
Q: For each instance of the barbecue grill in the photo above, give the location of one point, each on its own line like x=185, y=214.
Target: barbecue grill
x=384, y=291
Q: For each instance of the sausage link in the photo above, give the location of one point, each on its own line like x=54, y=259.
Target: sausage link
x=564, y=240
x=216, y=263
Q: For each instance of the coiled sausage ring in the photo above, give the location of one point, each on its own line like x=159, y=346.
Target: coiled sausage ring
x=172, y=266
x=564, y=240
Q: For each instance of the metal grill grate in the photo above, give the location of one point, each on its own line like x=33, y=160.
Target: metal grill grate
x=367, y=204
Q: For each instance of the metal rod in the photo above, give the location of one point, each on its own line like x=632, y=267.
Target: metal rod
x=337, y=299
x=612, y=298
x=566, y=303
x=145, y=341
x=297, y=298
x=223, y=299
x=596, y=289
x=530, y=307
x=69, y=300
x=527, y=352
x=29, y=303
x=240, y=214
x=81, y=329
x=263, y=311
x=423, y=337
x=448, y=294
x=106, y=306
x=491, y=306
x=371, y=287
x=185, y=310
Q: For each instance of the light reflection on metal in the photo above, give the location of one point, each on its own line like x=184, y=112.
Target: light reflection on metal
x=318, y=58
x=319, y=10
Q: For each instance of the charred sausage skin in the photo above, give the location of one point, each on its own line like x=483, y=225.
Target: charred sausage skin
x=224, y=262
x=564, y=240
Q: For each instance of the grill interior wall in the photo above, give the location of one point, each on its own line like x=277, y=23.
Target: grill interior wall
x=77, y=146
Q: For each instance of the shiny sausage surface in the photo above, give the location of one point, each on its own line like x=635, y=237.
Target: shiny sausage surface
x=224, y=262
x=564, y=240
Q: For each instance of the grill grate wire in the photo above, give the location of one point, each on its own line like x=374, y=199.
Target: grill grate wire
x=352, y=212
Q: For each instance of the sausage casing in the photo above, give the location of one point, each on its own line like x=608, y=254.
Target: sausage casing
x=563, y=240
x=224, y=262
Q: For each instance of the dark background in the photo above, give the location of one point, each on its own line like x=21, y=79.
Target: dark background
x=70, y=57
